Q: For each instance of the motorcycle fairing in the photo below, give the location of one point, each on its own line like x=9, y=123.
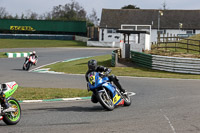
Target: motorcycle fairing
x=96, y=81
x=116, y=98
x=10, y=88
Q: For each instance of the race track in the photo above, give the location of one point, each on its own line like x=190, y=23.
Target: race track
x=159, y=106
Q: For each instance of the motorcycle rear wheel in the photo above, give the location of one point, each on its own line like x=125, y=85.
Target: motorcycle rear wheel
x=105, y=101
x=13, y=118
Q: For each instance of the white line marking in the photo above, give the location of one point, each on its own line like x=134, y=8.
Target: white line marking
x=71, y=99
x=43, y=66
x=67, y=60
x=31, y=101
x=172, y=127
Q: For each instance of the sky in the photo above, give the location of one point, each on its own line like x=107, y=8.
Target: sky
x=41, y=6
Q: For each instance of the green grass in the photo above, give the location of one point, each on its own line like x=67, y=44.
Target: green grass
x=80, y=67
x=2, y=55
x=24, y=43
x=24, y=93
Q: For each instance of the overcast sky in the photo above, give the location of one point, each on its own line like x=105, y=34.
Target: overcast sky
x=42, y=6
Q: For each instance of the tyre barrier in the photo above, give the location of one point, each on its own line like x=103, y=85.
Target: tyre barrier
x=165, y=63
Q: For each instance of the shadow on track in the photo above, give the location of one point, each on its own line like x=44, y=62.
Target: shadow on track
x=18, y=69
x=74, y=108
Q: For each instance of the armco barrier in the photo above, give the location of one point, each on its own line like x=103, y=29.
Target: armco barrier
x=165, y=63
x=113, y=60
x=115, y=55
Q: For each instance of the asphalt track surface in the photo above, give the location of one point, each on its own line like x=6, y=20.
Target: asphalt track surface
x=159, y=106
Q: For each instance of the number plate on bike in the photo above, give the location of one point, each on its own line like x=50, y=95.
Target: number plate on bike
x=116, y=99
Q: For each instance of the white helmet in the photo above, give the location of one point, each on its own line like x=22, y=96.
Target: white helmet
x=33, y=52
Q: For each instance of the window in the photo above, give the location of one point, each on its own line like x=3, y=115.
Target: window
x=111, y=31
x=162, y=31
x=189, y=32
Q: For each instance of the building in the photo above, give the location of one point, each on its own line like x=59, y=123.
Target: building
x=176, y=22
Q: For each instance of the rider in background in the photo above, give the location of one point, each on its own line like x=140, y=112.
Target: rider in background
x=32, y=56
x=93, y=67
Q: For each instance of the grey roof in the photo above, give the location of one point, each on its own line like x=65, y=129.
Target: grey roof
x=113, y=18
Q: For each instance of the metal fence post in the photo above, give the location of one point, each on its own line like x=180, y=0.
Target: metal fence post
x=187, y=46
x=199, y=47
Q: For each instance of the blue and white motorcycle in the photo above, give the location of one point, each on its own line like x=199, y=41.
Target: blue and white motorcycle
x=107, y=94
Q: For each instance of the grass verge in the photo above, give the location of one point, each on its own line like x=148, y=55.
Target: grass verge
x=2, y=55
x=80, y=67
x=24, y=93
x=24, y=43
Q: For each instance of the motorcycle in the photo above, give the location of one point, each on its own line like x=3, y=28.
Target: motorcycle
x=12, y=115
x=29, y=61
x=107, y=94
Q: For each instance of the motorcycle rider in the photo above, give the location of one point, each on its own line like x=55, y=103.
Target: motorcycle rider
x=93, y=67
x=32, y=56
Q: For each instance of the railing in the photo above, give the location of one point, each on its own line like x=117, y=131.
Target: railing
x=173, y=42
x=165, y=63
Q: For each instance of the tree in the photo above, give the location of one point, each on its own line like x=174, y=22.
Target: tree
x=93, y=19
x=30, y=15
x=70, y=11
x=45, y=16
x=3, y=12
x=130, y=7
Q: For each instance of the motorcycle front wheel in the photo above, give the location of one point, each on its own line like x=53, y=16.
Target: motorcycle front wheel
x=127, y=100
x=28, y=65
x=12, y=118
x=105, y=100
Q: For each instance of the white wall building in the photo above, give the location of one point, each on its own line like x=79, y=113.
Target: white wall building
x=175, y=22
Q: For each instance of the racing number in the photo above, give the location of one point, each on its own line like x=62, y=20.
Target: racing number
x=115, y=100
x=91, y=79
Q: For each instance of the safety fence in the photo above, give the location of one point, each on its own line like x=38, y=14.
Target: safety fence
x=165, y=63
x=37, y=36
x=175, y=43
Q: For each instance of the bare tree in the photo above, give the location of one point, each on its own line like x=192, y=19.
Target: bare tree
x=30, y=15
x=3, y=12
x=16, y=16
x=45, y=16
x=70, y=11
x=93, y=17
x=33, y=15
